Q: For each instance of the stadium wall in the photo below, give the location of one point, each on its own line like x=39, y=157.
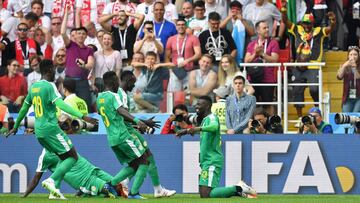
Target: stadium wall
x=276, y=164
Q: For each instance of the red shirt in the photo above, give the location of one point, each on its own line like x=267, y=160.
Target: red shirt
x=13, y=87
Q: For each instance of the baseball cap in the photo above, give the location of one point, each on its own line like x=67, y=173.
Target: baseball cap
x=308, y=18
x=239, y=74
x=222, y=91
x=315, y=110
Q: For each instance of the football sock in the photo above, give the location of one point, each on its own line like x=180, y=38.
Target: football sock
x=123, y=173
x=139, y=179
x=61, y=170
x=223, y=192
x=153, y=172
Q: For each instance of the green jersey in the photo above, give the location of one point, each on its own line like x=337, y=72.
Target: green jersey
x=210, y=143
x=107, y=105
x=42, y=95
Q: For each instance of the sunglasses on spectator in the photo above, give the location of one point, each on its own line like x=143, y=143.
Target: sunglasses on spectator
x=353, y=47
x=60, y=56
x=23, y=29
x=56, y=23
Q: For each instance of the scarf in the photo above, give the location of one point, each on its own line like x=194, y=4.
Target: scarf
x=59, y=7
x=118, y=7
x=30, y=50
x=86, y=10
x=307, y=40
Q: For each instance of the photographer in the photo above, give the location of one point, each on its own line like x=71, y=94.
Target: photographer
x=177, y=120
x=314, y=124
x=263, y=123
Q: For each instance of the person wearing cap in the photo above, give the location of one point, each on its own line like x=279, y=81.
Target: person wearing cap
x=319, y=126
x=239, y=107
x=309, y=48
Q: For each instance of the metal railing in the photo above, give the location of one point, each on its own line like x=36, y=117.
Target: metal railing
x=286, y=85
x=277, y=84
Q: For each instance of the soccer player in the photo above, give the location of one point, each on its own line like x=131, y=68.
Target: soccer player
x=126, y=147
x=44, y=96
x=127, y=84
x=83, y=176
x=211, y=157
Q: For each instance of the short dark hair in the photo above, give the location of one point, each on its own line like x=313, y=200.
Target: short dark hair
x=257, y=24
x=33, y=57
x=181, y=19
x=70, y=85
x=207, y=56
x=45, y=66
x=181, y=107
x=236, y=4
x=82, y=28
x=37, y=2
x=31, y=16
x=73, y=30
x=148, y=22
x=23, y=24
x=151, y=53
x=260, y=111
x=207, y=99
x=108, y=78
x=239, y=77
x=159, y=2
x=200, y=4
x=214, y=16
x=126, y=74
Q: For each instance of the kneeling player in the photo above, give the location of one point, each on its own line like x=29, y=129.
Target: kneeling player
x=211, y=157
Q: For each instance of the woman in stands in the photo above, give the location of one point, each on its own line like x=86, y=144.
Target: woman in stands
x=227, y=70
x=349, y=72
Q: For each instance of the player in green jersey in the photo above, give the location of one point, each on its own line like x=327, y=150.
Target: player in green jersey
x=211, y=157
x=83, y=176
x=126, y=147
x=44, y=96
x=127, y=84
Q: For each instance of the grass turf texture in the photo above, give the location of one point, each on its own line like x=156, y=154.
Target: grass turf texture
x=189, y=198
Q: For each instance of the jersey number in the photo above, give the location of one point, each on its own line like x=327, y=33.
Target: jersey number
x=106, y=119
x=37, y=106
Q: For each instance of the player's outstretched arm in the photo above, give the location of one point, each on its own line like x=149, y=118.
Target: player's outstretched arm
x=34, y=182
x=22, y=113
x=68, y=109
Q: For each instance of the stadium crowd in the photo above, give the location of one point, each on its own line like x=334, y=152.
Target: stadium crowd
x=192, y=47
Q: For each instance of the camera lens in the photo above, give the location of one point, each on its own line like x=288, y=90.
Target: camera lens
x=255, y=123
x=179, y=118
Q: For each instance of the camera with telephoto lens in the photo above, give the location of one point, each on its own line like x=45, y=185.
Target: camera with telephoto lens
x=275, y=124
x=78, y=125
x=308, y=120
x=27, y=122
x=346, y=119
x=179, y=118
x=255, y=123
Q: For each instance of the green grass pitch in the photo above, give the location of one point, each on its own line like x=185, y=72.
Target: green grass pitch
x=190, y=198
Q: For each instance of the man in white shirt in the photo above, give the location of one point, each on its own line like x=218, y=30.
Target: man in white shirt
x=146, y=8
x=170, y=11
x=200, y=22
x=4, y=13
x=10, y=25
x=212, y=5
x=37, y=7
x=187, y=12
x=19, y=7
x=91, y=37
x=57, y=40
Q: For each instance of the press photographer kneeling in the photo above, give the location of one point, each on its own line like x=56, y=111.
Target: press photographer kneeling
x=313, y=123
x=263, y=123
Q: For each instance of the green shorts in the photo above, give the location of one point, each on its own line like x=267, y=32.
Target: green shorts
x=128, y=150
x=210, y=176
x=58, y=144
x=137, y=135
x=93, y=185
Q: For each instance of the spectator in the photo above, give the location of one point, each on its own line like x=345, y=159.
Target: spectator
x=125, y=35
x=106, y=60
x=59, y=63
x=350, y=73
x=99, y=36
x=182, y=50
x=89, y=11
x=202, y=81
x=13, y=87
x=117, y=6
x=44, y=39
x=4, y=48
x=71, y=99
x=4, y=116
x=177, y=120
x=149, y=42
x=319, y=11
x=309, y=48
x=91, y=35
x=263, y=50
x=317, y=125
x=215, y=6
x=187, y=12
x=163, y=29
x=35, y=70
x=199, y=23
x=239, y=107
x=216, y=41
x=146, y=8
x=4, y=13
x=263, y=123
x=19, y=8
x=351, y=22
x=139, y=72
x=11, y=24
x=150, y=98
x=261, y=10
x=37, y=7
x=57, y=40
x=79, y=60
x=170, y=11
x=23, y=48
x=227, y=71
x=242, y=29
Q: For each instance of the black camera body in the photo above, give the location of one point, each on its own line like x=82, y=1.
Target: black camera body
x=308, y=120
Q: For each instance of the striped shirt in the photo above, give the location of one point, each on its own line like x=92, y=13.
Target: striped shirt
x=239, y=111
